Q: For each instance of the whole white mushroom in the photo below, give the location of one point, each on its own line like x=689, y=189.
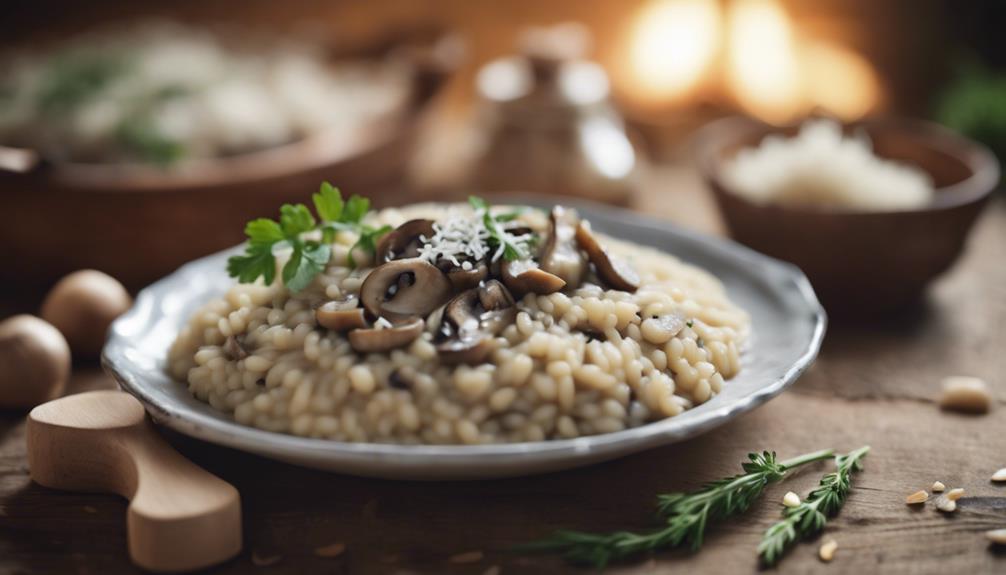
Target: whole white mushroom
x=82, y=305
x=34, y=362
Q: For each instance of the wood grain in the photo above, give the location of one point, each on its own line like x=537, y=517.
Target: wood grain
x=873, y=384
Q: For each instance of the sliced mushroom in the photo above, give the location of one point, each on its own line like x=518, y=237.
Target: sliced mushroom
x=404, y=241
x=234, y=347
x=333, y=316
x=560, y=256
x=375, y=339
x=524, y=276
x=406, y=288
x=463, y=279
x=614, y=271
x=471, y=320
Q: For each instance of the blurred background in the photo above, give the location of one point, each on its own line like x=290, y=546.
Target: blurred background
x=434, y=99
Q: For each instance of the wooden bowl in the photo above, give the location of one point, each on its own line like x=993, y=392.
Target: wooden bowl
x=138, y=223
x=862, y=262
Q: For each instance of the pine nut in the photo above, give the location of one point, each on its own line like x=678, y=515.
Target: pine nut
x=827, y=550
x=943, y=503
x=791, y=499
x=999, y=475
x=966, y=394
x=955, y=493
x=997, y=536
x=919, y=496
x=938, y=487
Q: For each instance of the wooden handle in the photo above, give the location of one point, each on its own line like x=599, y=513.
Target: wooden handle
x=180, y=516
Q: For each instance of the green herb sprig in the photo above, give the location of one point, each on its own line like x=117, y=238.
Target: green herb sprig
x=686, y=514
x=811, y=515
x=308, y=257
x=512, y=250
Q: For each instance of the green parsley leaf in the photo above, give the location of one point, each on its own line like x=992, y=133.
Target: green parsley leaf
x=295, y=220
x=356, y=208
x=512, y=249
x=478, y=203
x=308, y=257
x=328, y=203
x=368, y=240
x=263, y=231
x=307, y=261
x=257, y=261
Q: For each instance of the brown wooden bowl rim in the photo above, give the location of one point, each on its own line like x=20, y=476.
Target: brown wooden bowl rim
x=982, y=163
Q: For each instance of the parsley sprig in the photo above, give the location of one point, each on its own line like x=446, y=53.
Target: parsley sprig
x=308, y=257
x=686, y=514
x=513, y=249
x=811, y=515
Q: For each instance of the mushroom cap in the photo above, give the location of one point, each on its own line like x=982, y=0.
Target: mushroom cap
x=403, y=241
x=614, y=271
x=373, y=340
x=560, y=256
x=405, y=288
x=34, y=362
x=463, y=279
x=472, y=319
x=524, y=276
x=82, y=306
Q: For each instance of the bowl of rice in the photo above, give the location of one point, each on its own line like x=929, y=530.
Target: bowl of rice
x=128, y=134
x=464, y=340
x=871, y=211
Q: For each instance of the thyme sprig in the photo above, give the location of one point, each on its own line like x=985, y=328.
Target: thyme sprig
x=686, y=514
x=811, y=515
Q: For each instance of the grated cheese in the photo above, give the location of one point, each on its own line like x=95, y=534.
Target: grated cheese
x=464, y=235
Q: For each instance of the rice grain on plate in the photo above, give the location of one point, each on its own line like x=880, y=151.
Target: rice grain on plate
x=576, y=362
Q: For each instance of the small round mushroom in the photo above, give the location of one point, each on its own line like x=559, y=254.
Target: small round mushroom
x=34, y=362
x=524, y=276
x=404, y=241
x=471, y=320
x=406, y=288
x=560, y=256
x=615, y=272
x=377, y=339
x=82, y=306
x=341, y=315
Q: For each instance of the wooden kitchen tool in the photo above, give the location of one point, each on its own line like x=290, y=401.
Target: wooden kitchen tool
x=180, y=516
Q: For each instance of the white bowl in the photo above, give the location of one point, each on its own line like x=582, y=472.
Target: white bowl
x=788, y=325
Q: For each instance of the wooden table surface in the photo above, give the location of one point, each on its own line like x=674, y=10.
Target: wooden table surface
x=873, y=384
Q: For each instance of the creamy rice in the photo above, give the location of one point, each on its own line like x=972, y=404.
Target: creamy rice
x=578, y=362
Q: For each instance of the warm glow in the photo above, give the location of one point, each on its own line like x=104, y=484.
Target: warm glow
x=840, y=81
x=763, y=70
x=748, y=53
x=672, y=46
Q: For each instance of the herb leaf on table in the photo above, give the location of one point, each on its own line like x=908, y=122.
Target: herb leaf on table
x=686, y=514
x=811, y=515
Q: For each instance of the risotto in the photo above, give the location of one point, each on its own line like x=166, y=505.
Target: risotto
x=464, y=326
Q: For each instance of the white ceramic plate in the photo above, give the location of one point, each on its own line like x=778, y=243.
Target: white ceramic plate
x=788, y=326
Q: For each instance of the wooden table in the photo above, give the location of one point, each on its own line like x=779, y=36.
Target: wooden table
x=873, y=384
